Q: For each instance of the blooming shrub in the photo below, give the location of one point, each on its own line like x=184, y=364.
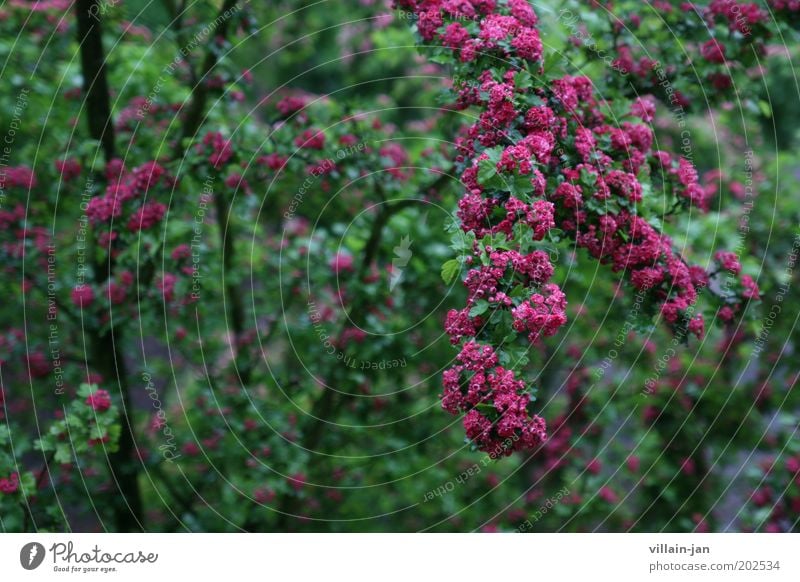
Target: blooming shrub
x=569, y=152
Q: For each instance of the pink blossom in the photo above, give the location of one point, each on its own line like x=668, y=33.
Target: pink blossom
x=10, y=484
x=342, y=262
x=728, y=261
x=69, y=169
x=713, y=51
x=99, y=400
x=82, y=296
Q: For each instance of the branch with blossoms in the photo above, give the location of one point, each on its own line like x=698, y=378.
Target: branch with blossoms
x=546, y=158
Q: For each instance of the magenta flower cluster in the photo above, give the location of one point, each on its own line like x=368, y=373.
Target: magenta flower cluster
x=545, y=155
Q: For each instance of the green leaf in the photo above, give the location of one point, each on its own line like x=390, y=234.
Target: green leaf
x=480, y=307
x=520, y=185
x=113, y=437
x=72, y=420
x=97, y=432
x=84, y=390
x=523, y=80
x=28, y=483
x=486, y=171
x=43, y=445
x=494, y=154
x=450, y=271
x=63, y=454
x=554, y=234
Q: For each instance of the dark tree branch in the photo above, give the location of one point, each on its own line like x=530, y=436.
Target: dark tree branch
x=124, y=463
x=176, y=13
x=231, y=294
x=198, y=100
x=93, y=68
x=106, y=347
x=192, y=122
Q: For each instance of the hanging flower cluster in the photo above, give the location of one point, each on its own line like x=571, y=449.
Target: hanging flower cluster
x=128, y=200
x=544, y=153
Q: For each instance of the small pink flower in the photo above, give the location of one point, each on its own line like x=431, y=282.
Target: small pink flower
x=297, y=481
x=697, y=326
x=713, y=51
x=341, y=262
x=9, y=485
x=181, y=252
x=750, y=288
x=99, y=400
x=608, y=495
x=191, y=449
x=310, y=139
x=82, y=296
x=728, y=261
x=69, y=169
x=263, y=495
